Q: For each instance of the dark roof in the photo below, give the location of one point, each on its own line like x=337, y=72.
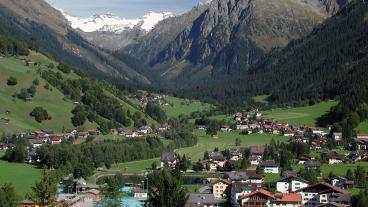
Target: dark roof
x=239, y=187
x=322, y=188
x=237, y=175
x=312, y=164
x=269, y=163
x=168, y=157
x=218, y=156
x=203, y=199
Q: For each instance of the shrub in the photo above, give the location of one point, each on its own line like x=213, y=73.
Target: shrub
x=12, y=81
x=40, y=114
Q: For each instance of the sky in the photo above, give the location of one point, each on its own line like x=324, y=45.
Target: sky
x=122, y=8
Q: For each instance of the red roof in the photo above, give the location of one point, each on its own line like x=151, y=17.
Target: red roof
x=288, y=198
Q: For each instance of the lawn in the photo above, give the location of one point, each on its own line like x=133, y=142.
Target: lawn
x=271, y=178
x=182, y=106
x=225, y=141
x=22, y=176
x=362, y=128
x=136, y=166
x=338, y=169
x=301, y=115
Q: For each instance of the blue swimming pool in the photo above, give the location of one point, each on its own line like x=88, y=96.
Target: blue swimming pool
x=126, y=189
x=131, y=202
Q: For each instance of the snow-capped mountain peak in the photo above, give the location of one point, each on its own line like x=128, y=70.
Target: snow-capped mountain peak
x=115, y=24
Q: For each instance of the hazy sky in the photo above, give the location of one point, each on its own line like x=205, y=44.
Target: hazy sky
x=122, y=8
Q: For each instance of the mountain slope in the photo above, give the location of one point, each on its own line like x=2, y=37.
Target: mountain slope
x=44, y=28
x=227, y=37
x=329, y=63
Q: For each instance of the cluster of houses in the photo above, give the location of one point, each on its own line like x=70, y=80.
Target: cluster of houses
x=247, y=189
x=145, y=98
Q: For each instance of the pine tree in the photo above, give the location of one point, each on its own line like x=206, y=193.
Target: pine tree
x=44, y=191
x=8, y=197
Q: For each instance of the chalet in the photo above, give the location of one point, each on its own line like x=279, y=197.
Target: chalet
x=56, y=140
x=300, y=138
x=163, y=128
x=36, y=142
x=255, y=178
x=316, y=144
x=226, y=128
x=323, y=193
x=362, y=136
x=218, y=158
x=237, y=176
x=332, y=156
x=145, y=130
x=114, y=131
x=169, y=159
x=361, y=144
x=312, y=165
x=242, y=127
x=288, y=133
x=73, y=132
x=210, y=165
x=131, y=134
x=318, y=132
x=270, y=166
x=220, y=187
x=83, y=134
x=304, y=158
x=265, y=198
x=337, y=136
x=92, y=195
x=257, y=151
x=202, y=127
x=236, y=154
x=290, y=184
x=342, y=182
x=239, y=188
x=254, y=160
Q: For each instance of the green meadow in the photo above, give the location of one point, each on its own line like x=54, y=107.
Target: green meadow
x=307, y=115
x=225, y=140
x=182, y=106
x=21, y=176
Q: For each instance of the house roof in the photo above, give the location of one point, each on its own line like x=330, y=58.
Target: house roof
x=215, y=181
x=202, y=199
x=322, y=188
x=240, y=187
x=292, y=177
x=312, y=164
x=288, y=198
x=269, y=163
x=168, y=157
x=257, y=150
x=237, y=175
x=330, y=204
x=260, y=191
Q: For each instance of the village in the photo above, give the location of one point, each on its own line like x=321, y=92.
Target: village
x=224, y=182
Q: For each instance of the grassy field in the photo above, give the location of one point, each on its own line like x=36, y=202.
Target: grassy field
x=301, y=115
x=182, y=106
x=53, y=101
x=22, y=176
x=362, y=128
x=137, y=166
x=337, y=169
x=225, y=141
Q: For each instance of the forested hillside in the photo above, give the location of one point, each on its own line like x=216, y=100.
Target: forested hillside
x=56, y=96
x=329, y=63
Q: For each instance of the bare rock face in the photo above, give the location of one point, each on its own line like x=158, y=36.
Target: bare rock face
x=228, y=36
